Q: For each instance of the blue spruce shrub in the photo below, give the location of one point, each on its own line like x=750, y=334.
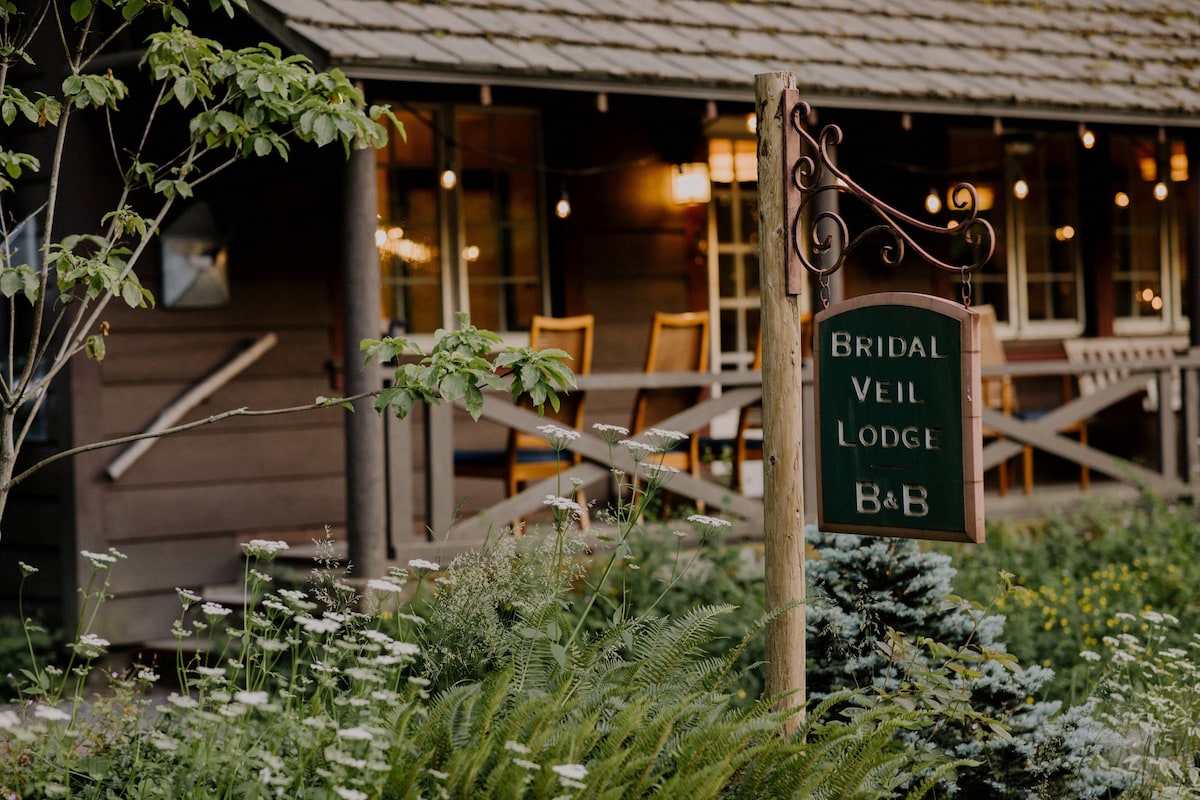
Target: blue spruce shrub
x=860, y=587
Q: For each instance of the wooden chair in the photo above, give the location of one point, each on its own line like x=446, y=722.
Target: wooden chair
x=529, y=457
x=1000, y=393
x=678, y=343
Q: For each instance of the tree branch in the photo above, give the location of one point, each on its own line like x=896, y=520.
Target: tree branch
x=187, y=426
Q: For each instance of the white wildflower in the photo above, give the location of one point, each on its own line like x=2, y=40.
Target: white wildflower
x=233, y=710
x=181, y=701
x=51, y=714
x=416, y=680
x=610, y=433
x=349, y=794
x=558, y=436
x=163, y=742
x=99, y=560
x=516, y=747
x=441, y=776
x=575, y=772
x=263, y=548
x=382, y=585
x=662, y=469
x=404, y=649
x=9, y=721
x=90, y=645
x=210, y=672
x=1089, y=655
x=709, y=522
x=317, y=625
x=563, y=504
x=667, y=436
x=1152, y=616
x=252, y=698
x=215, y=610
x=638, y=450
x=521, y=762
x=147, y=676
x=270, y=645
x=420, y=563
x=356, y=734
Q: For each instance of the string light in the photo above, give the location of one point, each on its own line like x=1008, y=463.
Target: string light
x=1160, y=191
x=1086, y=136
x=562, y=209
x=933, y=203
x=602, y=103
x=449, y=179
x=1021, y=189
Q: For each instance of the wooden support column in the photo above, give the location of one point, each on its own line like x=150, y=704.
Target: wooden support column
x=783, y=446
x=366, y=526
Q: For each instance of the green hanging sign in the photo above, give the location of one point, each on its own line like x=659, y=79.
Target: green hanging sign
x=899, y=440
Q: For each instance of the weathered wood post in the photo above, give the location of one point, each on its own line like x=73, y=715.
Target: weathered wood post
x=366, y=530
x=783, y=485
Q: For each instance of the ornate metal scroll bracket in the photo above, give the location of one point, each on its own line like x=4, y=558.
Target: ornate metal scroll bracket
x=810, y=173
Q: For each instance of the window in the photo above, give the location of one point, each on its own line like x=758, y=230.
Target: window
x=1145, y=241
x=733, y=243
x=460, y=220
x=1043, y=242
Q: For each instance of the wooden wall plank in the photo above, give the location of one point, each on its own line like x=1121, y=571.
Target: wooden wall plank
x=167, y=512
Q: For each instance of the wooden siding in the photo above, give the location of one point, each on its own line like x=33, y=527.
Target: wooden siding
x=180, y=510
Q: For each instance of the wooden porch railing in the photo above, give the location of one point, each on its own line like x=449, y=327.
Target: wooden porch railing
x=1179, y=434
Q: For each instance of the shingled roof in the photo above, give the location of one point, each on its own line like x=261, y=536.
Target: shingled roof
x=1095, y=60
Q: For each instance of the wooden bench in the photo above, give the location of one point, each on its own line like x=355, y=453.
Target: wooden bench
x=1114, y=357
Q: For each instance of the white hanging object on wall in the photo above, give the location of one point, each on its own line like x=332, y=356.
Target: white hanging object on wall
x=193, y=262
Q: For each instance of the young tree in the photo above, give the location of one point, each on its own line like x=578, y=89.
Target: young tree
x=203, y=108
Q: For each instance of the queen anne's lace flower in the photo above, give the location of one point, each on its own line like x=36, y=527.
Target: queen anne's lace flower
x=263, y=548
x=420, y=563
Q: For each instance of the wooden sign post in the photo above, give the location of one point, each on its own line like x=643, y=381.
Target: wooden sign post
x=868, y=487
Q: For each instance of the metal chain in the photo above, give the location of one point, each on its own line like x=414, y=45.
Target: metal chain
x=824, y=291
x=966, y=287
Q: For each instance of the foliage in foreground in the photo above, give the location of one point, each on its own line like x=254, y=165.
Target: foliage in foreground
x=1087, y=575
x=474, y=683
x=318, y=697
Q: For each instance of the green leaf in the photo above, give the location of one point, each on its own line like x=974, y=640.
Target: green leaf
x=94, y=347
x=185, y=90
x=80, y=9
x=453, y=387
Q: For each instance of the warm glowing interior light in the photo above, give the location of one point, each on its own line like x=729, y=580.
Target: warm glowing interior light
x=933, y=203
x=1160, y=191
x=1147, y=294
x=690, y=184
x=1087, y=137
x=562, y=209
x=1148, y=168
x=449, y=179
x=1156, y=303
x=1121, y=199
x=392, y=242
x=752, y=123
x=1021, y=189
x=1064, y=234
x=1178, y=162
x=470, y=252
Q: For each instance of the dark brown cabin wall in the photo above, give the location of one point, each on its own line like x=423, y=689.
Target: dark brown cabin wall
x=624, y=249
x=179, y=511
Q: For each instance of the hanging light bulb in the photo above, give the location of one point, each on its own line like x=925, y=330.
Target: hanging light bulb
x=562, y=209
x=449, y=179
x=1021, y=189
x=933, y=203
x=1160, y=191
x=1086, y=136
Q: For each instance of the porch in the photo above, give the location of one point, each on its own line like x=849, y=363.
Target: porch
x=430, y=513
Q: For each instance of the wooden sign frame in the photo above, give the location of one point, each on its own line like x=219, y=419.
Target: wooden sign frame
x=897, y=403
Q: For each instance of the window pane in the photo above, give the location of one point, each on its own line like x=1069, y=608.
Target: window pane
x=408, y=229
x=1136, y=216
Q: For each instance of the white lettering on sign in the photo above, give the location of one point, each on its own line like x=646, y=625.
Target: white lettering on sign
x=885, y=391
x=844, y=344
x=910, y=437
x=913, y=502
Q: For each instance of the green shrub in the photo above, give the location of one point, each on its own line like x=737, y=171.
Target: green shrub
x=1080, y=576
x=863, y=588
